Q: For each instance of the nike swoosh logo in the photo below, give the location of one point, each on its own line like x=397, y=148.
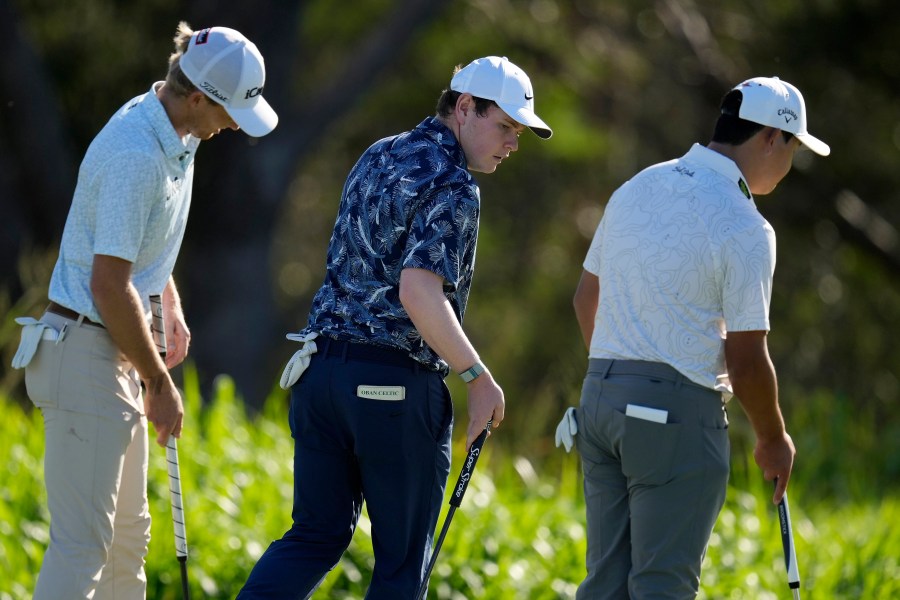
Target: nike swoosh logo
x=527, y=97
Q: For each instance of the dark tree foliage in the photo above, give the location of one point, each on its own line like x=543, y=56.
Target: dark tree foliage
x=623, y=84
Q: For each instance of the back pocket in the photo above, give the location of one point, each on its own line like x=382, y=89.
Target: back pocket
x=648, y=451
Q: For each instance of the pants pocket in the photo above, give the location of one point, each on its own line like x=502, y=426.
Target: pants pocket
x=440, y=409
x=649, y=450
x=42, y=375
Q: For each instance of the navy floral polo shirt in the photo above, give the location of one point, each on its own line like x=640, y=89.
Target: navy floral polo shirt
x=409, y=202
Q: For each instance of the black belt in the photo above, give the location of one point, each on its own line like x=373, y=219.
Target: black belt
x=68, y=313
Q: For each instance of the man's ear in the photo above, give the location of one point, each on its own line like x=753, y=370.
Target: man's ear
x=465, y=104
x=772, y=136
x=195, y=98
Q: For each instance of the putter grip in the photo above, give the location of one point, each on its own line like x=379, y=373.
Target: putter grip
x=157, y=328
x=175, y=494
x=787, y=542
x=466, y=474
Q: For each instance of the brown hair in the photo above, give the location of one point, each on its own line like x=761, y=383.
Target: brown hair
x=446, y=104
x=176, y=80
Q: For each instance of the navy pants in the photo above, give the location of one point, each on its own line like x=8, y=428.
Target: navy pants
x=369, y=425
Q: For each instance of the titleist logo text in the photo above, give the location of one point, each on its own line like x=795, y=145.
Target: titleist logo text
x=213, y=90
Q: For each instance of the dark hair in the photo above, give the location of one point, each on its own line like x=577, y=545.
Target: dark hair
x=446, y=104
x=733, y=130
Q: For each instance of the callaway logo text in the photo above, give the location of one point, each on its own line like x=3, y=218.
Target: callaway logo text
x=788, y=114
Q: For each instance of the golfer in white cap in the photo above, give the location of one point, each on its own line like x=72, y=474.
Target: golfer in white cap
x=370, y=413
x=673, y=305
x=89, y=353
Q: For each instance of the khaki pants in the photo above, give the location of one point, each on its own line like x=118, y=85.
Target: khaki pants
x=95, y=466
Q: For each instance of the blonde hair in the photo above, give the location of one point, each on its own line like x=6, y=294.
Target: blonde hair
x=176, y=80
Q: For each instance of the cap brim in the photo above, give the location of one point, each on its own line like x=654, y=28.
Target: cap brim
x=528, y=118
x=256, y=121
x=814, y=144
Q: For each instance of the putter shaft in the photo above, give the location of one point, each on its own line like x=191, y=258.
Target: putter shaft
x=456, y=497
x=158, y=332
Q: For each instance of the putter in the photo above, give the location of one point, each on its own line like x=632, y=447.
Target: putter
x=455, y=500
x=159, y=337
x=787, y=541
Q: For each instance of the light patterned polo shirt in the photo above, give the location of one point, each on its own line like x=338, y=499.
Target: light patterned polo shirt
x=682, y=255
x=131, y=201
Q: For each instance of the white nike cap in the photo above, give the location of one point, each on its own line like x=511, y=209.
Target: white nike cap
x=775, y=103
x=228, y=68
x=495, y=78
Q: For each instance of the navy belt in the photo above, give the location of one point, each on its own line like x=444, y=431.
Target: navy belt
x=369, y=353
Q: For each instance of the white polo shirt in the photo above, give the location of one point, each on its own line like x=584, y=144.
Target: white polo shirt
x=682, y=255
x=131, y=201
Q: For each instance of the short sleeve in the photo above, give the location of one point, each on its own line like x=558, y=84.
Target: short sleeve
x=127, y=186
x=444, y=227
x=749, y=267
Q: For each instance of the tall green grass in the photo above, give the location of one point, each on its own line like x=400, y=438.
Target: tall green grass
x=519, y=534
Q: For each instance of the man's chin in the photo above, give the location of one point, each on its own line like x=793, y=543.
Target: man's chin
x=484, y=169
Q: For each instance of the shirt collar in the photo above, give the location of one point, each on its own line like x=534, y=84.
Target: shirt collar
x=440, y=134
x=719, y=163
x=173, y=146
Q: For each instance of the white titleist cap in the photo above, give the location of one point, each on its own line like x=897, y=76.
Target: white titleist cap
x=775, y=103
x=228, y=68
x=495, y=78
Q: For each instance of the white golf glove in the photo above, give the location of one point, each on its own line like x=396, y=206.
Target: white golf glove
x=33, y=331
x=300, y=360
x=567, y=429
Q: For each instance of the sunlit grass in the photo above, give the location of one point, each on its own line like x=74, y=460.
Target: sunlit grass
x=519, y=533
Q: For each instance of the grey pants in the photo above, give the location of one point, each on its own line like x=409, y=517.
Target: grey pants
x=653, y=491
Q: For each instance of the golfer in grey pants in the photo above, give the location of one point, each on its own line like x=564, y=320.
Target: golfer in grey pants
x=642, y=478
x=673, y=305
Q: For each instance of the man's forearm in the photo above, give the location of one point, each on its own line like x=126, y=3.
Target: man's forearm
x=754, y=382
x=122, y=311
x=428, y=308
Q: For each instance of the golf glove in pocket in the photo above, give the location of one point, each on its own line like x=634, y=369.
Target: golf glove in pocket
x=567, y=429
x=300, y=360
x=33, y=331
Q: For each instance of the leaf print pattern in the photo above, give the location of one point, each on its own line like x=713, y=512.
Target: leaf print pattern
x=409, y=202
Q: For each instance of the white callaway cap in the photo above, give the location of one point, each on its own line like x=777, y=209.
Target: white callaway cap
x=495, y=78
x=775, y=103
x=228, y=68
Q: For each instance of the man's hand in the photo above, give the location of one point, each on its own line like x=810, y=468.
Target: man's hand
x=486, y=403
x=178, y=339
x=776, y=459
x=178, y=336
x=163, y=406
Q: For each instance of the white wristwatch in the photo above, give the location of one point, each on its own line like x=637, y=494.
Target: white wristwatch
x=472, y=372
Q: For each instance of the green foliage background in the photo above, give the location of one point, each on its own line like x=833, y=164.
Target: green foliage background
x=519, y=533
